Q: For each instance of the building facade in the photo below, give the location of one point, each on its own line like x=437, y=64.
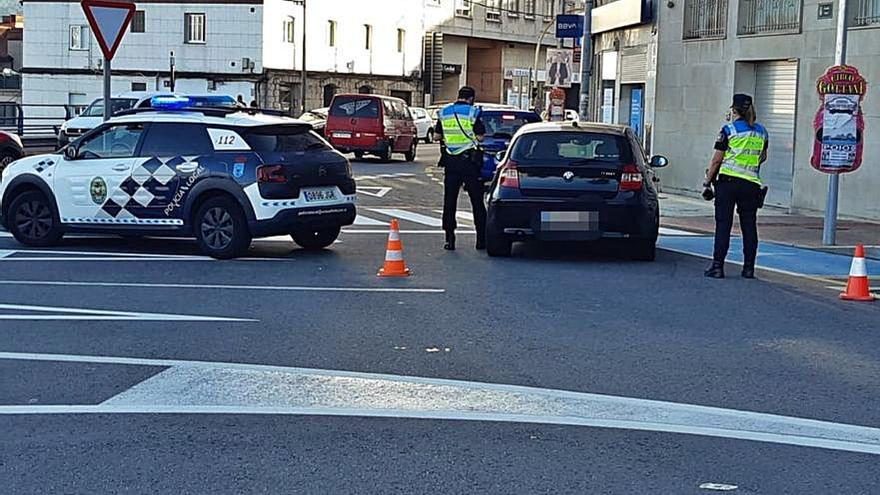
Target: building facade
x=247, y=48
x=489, y=45
x=775, y=51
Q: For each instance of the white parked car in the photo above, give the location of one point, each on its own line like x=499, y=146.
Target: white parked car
x=424, y=124
x=93, y=115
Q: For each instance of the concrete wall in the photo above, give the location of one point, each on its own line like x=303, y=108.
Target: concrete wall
x=277, y=81
x=696, y=79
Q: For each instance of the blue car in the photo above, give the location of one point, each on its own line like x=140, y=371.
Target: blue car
x=501, y=125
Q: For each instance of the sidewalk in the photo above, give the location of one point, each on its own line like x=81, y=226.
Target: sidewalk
x=774, y=224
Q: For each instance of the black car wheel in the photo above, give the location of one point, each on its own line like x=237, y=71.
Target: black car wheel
x=429, y=138
x=411, y=154
x=7, y=157
x=221, y=229
x=32, y=221
x=315, y=239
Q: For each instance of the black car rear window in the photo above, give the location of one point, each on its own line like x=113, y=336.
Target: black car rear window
x=571, y=148
x=353, y=106
x=284, y=139
x=506, y=123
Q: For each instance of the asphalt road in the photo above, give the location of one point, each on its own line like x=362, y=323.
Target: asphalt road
x=137, y=366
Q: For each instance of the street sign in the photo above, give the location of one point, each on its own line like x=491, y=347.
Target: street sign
x=109, y=21
x=569, y=26
x=839, y=122
x=560, y=68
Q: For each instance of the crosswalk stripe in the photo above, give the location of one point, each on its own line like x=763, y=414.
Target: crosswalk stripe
x=409, y=216
x=4, y=253
x=362, y=220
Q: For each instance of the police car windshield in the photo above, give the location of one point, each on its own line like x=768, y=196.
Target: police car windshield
x=96, y=109
x=572, y=149
x=284, y=139
x=354, y=106
x=506, y=124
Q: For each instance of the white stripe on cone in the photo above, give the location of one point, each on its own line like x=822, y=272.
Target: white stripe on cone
x=859, y=268
x=393, y=256
x=394, y=235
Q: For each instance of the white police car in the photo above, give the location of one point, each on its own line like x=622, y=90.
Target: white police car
x=222, y=175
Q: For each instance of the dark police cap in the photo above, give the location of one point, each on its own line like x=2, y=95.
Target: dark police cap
x=467, y=92
x=741, y=101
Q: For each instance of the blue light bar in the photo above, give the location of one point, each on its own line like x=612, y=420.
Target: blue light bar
x=212, y=101
x=170, y=102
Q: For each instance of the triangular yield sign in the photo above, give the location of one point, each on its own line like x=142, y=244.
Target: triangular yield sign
x=109, y=21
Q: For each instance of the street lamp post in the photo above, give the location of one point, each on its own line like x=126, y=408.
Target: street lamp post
x=303, y=74
x=533, y=74
x=829, y=228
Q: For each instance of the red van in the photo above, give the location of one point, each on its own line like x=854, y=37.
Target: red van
x=371, y=124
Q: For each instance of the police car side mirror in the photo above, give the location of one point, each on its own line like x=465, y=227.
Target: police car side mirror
x=659, y=161
x=70, y=153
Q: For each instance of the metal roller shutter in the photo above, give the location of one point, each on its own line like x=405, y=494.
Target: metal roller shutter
x=634, y=65
x=775, y=103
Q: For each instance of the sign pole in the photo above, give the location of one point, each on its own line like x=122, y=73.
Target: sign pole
x=304, y=74
x=829, y=230
x=587, y=60
x=108, y=103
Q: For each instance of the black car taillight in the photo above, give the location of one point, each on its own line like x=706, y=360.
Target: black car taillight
x=631, y=178
x=509, y=176
x=271, y=174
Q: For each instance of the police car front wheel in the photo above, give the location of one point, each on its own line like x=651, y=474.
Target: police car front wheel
x=32, y=221
x=221, y=228
x=315, y=239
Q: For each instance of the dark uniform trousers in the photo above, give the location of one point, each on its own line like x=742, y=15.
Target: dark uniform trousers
x=460, y=171
x=733, y=192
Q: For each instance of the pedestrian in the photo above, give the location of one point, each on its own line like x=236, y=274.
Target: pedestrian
x=240, y=101
x=735, y=173
x=460, y=130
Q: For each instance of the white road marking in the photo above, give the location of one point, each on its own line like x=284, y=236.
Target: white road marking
x=4, y=253
x=409, y=216
x=99, y=258
x=108, y=254
x=720, y=487
x=362, y=220
x=671, y=231
x=374, y=191
x=414, y=290
x=62, y=313
x=383, y=176
x=200, y=387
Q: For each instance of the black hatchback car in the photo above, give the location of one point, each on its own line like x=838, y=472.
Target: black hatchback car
x=574, y=181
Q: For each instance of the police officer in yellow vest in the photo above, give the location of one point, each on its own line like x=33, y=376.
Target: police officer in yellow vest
x=461, y=130
x=735, y=172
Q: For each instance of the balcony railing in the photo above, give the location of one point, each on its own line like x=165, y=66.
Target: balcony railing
x=867, y=13
x=769, y=17
x=705, y=19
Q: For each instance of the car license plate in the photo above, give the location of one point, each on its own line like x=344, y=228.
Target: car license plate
x=344, y=135
x=582, y=221
x=319, y=195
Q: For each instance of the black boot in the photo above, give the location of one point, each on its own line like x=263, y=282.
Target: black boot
x=481, y=243
x=450, y=242
x=748, y=270
x=715, y=271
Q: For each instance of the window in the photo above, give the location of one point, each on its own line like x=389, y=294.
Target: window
x=529, y=9
x=705, y=19
x=572, y=149
x=138, y=86
x=463, y=8
x=96, y=109
x=368, y=37
x=139, y=22
x=493, y=10
x=117, y=141
x=289, y=30
x=194, y=28
x=353, y=106
x=79, y=38
x=548, y=9
x=284, y=139
x=77, y=102
x=331, y=33
x=769, y=16
x=512, y=8
x=175, y=139
x=401, y=40
x=867, y=12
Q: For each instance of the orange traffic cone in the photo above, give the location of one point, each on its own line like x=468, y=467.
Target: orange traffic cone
x=858, y=288
x=394, y=264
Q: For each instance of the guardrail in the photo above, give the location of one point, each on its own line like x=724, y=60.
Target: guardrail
x=29, y=120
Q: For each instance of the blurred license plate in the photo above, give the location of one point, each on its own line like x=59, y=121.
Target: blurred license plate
x=344, y=135
x=570, y=220
x=320, y=194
